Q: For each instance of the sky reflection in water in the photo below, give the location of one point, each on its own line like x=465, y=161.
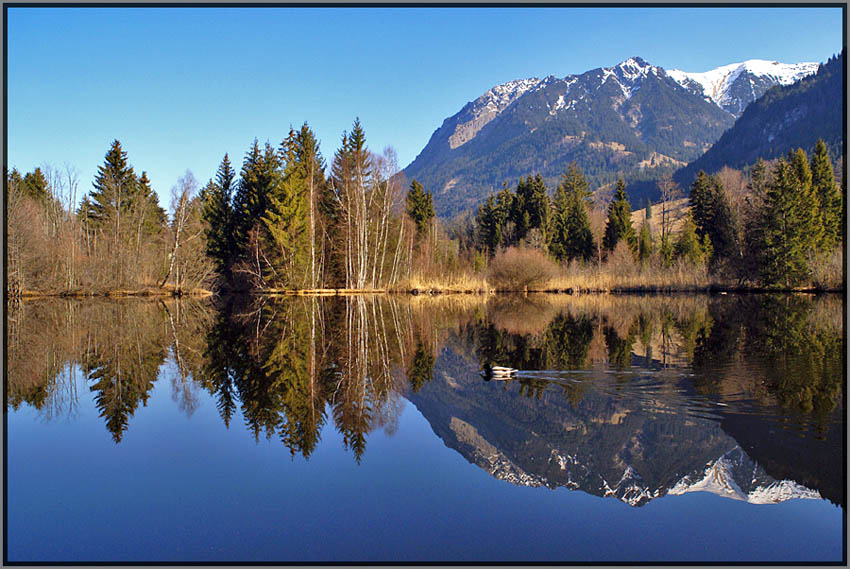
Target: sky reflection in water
x=304, y=429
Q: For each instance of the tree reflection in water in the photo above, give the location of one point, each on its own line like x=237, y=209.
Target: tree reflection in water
x=290, y=365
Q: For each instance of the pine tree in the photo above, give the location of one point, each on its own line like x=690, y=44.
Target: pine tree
x=531, y=207
x=666, y=251
x=109, y=207
x=644, y=243
x=713, y=215
x=216, y=210
x=113, y=189
x=151, y=216
x=809, y=210
x=489, y=226
x=619, y=224
x=311, y=166
x=260, y=177
x=35, y=185
x=287, y=220
x=352, y=180
x=420, y=207
x=688, y=244
x=829, y=197
x=701, y=202
x=571, y=236
x=786, y=226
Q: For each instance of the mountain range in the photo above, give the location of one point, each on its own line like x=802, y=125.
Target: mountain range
x=634, y=119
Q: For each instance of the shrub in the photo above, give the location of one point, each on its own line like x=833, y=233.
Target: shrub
x=520, y=269
x=621, y=261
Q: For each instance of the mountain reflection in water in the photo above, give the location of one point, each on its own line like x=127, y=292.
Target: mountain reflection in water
x=624, y=396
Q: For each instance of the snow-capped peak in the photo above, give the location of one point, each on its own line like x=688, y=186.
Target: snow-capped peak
x=630, y=74
x=634, y=67
x=716, y=84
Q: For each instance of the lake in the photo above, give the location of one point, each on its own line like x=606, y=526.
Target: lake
x=677, y=428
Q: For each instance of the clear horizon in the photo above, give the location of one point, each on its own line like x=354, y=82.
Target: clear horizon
x=180, y=87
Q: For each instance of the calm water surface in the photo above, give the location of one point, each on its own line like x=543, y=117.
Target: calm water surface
x=678, y=428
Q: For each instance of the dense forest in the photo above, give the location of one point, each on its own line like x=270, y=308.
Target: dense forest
x=285, y=221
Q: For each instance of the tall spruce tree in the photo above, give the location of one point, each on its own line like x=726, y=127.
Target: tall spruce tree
x=809, y=210
x=619, y=225
x=713, y=215
x=260, y=177
x=107, y=211
x=531, y=207
x=689, y=246
x=829, y=197
x=571, y=235
x=113, y=189
x=311, y=169
x=420, y=207
x=35, y=185
x=492, y=231
x=151, y=217
x=287, y=220
x=644, y=248
x=786, y=225
x=216, y=199
x=352, y=180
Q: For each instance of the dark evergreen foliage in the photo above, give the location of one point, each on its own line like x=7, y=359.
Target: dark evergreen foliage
x=713, y=216
x=420, y=207
x=217, y=198
x=619, y=225
x=829, y=197
x=114, y=187
x=571, y=236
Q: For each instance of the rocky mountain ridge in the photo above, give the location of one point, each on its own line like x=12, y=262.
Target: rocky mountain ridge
x=633, y=119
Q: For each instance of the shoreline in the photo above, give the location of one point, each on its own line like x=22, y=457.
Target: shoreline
x=433, y=291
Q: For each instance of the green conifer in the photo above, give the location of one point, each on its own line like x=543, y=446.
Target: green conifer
x=571, y=236
x=786, y=223
x=114, y=187
x=259, y=179
x=35, y=185
x=619, y=225
x=420, y=207
x=713, y=215
x=809, y=203
x=688, y=244
x=644, y=243
x=829, y=197
x=216, y=200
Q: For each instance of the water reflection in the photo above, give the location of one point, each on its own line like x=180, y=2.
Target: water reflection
x=632, y=397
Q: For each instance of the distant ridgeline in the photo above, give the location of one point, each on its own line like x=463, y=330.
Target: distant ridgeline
x=786, y=117
x=633, y=120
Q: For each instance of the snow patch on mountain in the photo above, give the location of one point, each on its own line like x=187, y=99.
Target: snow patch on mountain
x=488, y=106
x=716, y=84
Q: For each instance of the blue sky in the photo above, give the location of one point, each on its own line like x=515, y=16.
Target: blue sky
x=179, y=87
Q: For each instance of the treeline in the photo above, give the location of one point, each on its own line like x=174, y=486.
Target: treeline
x=285, y=221
x=287, y=224
x=282, y=221
x=781, y=226
x=118, y=238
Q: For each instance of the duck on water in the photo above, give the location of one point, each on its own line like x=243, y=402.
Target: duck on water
x=497, y=372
